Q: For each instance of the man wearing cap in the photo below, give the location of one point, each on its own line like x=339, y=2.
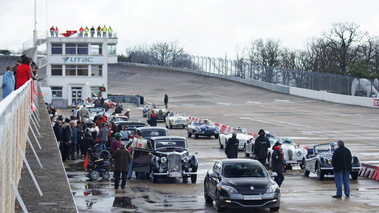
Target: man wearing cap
x=122, y=159
x=277, y=162
x=261, y=146
x=341, y=161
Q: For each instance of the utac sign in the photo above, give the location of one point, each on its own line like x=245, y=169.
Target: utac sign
x=77, y=59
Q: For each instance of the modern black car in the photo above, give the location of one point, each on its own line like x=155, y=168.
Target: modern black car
x=319, y=160
x=205, y=128
x=166, y=157
x=241, y=183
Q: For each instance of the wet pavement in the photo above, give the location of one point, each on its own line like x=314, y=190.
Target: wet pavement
x=308, y=121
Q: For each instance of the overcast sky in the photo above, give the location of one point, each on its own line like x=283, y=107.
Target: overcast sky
x=204, y=27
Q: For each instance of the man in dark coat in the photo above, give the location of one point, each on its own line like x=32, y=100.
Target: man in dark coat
x=119, y=109
x=153, y=120
x=261, y=146
x=122, y=158
x=231, y=148
x=341, y=161
x=277, y=163
x=58, y=133
x=66, y=139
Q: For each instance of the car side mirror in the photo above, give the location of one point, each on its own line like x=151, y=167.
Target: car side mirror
x=274, y=174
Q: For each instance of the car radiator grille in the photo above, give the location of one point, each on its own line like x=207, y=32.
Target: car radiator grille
x=290, y=154
x=247, y=191
x=174, y=162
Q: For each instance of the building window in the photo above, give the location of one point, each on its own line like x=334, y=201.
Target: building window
x=56, y=48
x=76, y=70
x=82, y=49
x=97, y=70
x=56, y=92
x=56, y=70
x=111, y=49
x=96, y=49
x=95, y=92
x=71, y=49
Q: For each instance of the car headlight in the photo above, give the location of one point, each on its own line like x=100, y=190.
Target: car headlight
x=217, y=129
x=186, y=159
x=172, y=121
x=329, y=161
x=163, y=159
x=230, y=189
x=198, y=129
x=272, y=188
x=299, y=153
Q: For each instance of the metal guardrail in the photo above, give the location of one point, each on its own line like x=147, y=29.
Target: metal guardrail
x=334, y=83
x=16, y=118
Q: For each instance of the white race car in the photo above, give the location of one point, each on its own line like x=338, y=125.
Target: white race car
x=176, y=120
x=293, y=153
x=242, y=136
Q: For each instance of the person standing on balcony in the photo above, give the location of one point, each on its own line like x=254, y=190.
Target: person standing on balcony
x=92, y=32
x=81, y=30
x=104, y=31
x=99, y=31
x=86, y=31
x=23, y=73
x=56, y=31
x=52, y=31
x=8, y=82
x=110, y=32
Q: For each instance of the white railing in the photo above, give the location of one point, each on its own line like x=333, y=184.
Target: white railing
x=15, y=111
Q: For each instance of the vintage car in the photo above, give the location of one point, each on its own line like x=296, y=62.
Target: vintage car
x=168, y=157
x=152, y=131
x=133, y=125
x=206, y=128
x=242, y=136
x=293, y=153
x=319, y=160
x=159, y=110
x=75, y=103
x=118, y=117
x=110, y=103
x=177, y=119
x=249, y=146
x=94, y=111
x=241, y=183
x=145, y=110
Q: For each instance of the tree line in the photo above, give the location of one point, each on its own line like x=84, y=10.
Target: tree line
x=343, y=49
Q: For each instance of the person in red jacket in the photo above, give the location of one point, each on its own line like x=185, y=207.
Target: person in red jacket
x=23, y=72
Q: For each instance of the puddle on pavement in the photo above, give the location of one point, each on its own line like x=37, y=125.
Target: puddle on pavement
x=124, y=202
x=147, y=199
x=138, y=189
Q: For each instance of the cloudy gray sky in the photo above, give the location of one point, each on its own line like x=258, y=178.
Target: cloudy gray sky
x=204, y=27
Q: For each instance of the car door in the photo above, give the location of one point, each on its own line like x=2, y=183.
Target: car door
x=214, y=181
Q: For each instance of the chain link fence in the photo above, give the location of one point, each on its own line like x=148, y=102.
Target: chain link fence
x=334, y=83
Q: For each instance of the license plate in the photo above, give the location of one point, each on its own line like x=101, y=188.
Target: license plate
x=291, y=161
x=175, y=174
x=252, y=197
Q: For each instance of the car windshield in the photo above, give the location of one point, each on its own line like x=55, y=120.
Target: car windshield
x=287, y=141
x=241, y=170
x=240, y=130
x=120, y=119
x=325, y=148
x=176, y=143
x=153, y=133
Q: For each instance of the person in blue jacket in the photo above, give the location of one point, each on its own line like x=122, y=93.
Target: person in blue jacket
x=8, y=82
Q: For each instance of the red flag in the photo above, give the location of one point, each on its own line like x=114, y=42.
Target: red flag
x=86, y=161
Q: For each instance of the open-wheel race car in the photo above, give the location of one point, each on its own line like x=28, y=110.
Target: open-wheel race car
x=166, y=157
x=319, y=161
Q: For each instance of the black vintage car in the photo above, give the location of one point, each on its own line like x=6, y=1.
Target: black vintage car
x=319, y=160
x=241, y=183
x=205, y=128
x=168, y=157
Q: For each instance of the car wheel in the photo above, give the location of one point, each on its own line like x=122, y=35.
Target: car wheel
x=216, y=136
x=289, y=166
x=302, y=164
x=106, y=176
x=196, y=136
x=306, y=172
x=275, y=209
x=247, y=154
x=354, y=175
x=189, y=134
x=219, y=141
x=185, y=179
x=320, y=174
x=218, y=204
x=206, y=194
x=193, y=178
x=170, y=126
x=94, y=175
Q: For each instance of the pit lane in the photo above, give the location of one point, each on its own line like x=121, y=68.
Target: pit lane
x=308, y=121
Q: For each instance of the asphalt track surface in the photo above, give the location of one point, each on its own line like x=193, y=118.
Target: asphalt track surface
x=307, y=121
